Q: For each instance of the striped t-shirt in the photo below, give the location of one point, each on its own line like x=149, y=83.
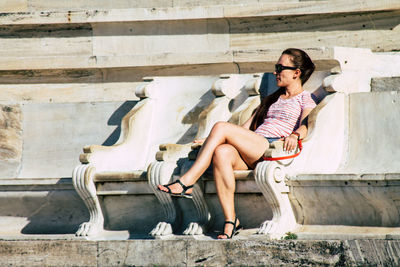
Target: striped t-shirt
x=284, y=115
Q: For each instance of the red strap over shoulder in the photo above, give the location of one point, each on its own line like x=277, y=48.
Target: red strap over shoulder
x=287, y=157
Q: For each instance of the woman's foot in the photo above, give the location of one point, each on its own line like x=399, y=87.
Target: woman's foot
x=230, y=229
x=177, y=189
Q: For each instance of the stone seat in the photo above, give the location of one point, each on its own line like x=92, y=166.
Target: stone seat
x=327, y=124
x=171, y=160
x=250, y=189
x=112, y=180
x=234, y=94
x=109, y=172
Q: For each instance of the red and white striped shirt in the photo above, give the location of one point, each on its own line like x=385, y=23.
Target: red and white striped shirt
x=283, y=116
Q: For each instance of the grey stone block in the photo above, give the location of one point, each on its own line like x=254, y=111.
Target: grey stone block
x=375, y=252
x=48, y=253
x=385, y=84
x=142, y=253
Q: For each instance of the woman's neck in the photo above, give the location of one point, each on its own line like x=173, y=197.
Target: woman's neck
x=293, y=90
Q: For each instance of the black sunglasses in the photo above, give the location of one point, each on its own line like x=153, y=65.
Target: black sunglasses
x=279, y=68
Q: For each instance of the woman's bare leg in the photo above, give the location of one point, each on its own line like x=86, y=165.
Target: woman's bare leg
x=226, y=159
x=249, y=145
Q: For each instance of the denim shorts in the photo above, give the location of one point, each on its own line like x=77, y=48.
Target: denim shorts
x=272, y=139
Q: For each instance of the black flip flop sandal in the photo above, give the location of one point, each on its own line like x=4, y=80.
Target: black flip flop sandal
x=181, y=194
x=235, y=231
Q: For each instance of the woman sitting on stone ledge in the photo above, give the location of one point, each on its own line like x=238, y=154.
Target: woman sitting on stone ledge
x=231, y=147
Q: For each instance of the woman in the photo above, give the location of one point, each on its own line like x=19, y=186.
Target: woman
x=231, y=147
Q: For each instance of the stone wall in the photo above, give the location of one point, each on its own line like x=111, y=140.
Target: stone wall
x=68, y=71
x=200, y=253
x=56, y=56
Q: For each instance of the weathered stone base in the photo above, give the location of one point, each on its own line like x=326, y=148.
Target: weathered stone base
x=190, y=252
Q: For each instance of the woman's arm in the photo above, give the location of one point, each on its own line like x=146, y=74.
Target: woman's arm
x=291, y=140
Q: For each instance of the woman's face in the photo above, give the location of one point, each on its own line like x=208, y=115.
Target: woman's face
x=286, y=76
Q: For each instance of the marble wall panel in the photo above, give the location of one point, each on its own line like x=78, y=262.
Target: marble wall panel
x=55, y=133
x=45, y=40
x=154, y=37
x=373, y=131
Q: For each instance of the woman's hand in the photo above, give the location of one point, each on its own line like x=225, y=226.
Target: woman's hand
x=199, y=141
x=290, y=143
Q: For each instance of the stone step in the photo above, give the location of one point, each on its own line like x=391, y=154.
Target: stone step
x=66, y=92
x=100, y=11
x=204, y=39
x=342, y=232
x=230, y=61
x=60, y=5
x=67, y=251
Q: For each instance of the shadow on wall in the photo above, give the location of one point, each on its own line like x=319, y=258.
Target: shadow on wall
x=192, y=118
x=57, y=208
x=58, y=211
x=116, y=119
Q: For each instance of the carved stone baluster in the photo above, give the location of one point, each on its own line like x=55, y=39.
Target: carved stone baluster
x=160, y=172
x=270, y=177
x=82, y=178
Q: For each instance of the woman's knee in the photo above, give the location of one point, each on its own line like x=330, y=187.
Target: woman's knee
x=219, y=127
x=223, y=154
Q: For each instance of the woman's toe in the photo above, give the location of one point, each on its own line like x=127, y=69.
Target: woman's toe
x=162, y=188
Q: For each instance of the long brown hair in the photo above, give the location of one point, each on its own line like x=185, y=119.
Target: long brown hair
x=302, y=61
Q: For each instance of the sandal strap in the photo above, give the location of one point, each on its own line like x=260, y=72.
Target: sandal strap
x=230, y=222
x=233, y=230
x=184, y=187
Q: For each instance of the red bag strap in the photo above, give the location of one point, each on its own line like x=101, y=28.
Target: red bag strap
x=287, y=157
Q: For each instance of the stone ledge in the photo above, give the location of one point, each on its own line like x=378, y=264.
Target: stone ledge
x=346, y=232
x=232, y=61
x=379, y=179
x=190, y=252
x=199, y=12
x=39, y=184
